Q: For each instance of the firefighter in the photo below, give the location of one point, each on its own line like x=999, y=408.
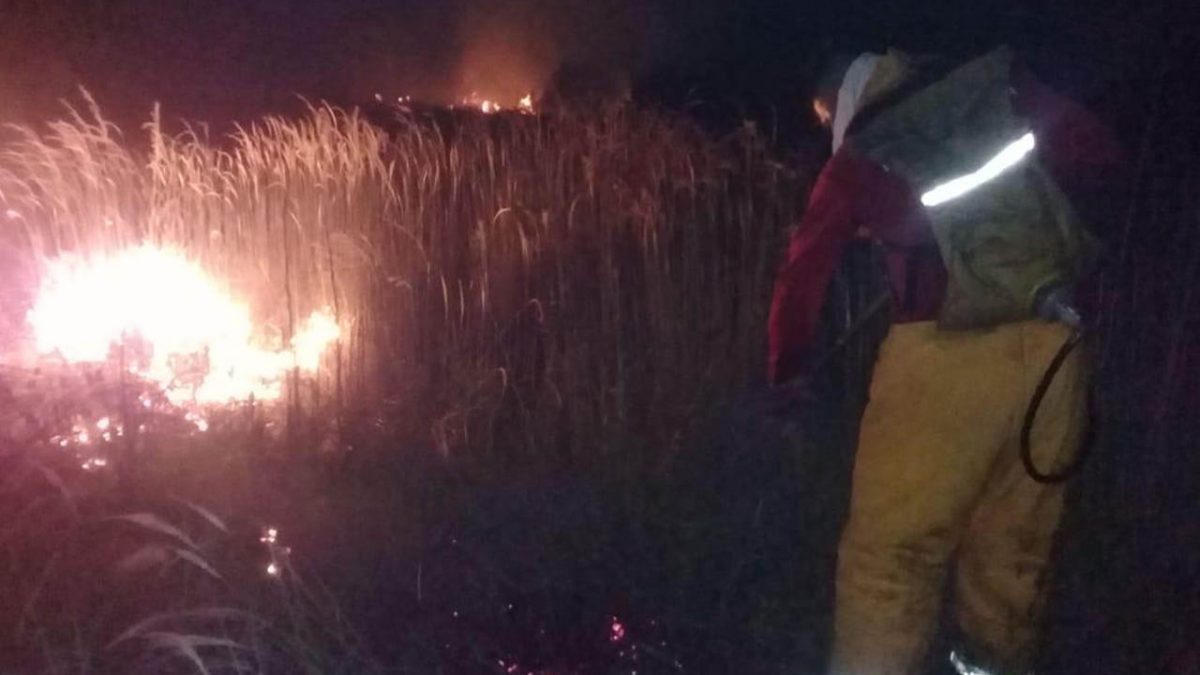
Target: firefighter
x=957, y=174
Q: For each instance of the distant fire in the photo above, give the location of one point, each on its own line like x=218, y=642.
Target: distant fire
x=176, y=327
x=523, y=105
x=489, y=106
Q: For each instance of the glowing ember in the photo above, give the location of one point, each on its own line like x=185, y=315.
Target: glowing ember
x=180, y=331
x=616, y=630
x=80, y=435
x=270, y=538
x=525, y=105
x=94, y=464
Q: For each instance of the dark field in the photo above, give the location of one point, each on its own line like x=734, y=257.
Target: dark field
x=541, y=444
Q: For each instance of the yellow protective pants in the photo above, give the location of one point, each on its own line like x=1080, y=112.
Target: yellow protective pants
x=938, y=480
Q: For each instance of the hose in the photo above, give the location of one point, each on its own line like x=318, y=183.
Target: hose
x=1085, y=446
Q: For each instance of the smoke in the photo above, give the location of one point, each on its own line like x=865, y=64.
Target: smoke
x=502, y=50
x=237, y=60
x=506, y=51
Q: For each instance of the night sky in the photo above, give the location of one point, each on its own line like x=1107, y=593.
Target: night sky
x=222, y=60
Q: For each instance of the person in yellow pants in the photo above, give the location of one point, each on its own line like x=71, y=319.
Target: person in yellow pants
x=939, y=487
x=953, y=176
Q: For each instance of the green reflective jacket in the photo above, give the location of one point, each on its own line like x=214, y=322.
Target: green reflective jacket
x=1003, y=241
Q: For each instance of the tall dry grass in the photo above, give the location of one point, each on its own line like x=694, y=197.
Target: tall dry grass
x=535, y=292
x=536, y=289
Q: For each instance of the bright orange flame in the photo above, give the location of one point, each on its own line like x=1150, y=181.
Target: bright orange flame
x=201, y=344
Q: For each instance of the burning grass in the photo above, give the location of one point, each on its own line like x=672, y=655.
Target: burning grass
x=543, y=283
x=174, y=326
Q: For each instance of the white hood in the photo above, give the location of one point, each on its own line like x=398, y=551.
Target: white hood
x=850, y=94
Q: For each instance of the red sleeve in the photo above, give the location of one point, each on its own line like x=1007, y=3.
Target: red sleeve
x=1080, y=152
x=813, y=253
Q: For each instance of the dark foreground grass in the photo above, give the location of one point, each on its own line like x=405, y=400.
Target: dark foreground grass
x=223, y=554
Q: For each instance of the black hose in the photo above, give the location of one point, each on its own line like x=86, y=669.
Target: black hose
x=1031, y=412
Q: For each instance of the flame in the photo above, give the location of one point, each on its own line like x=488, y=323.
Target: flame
x=194, y=341
x=311, y=341
x=490, y=106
